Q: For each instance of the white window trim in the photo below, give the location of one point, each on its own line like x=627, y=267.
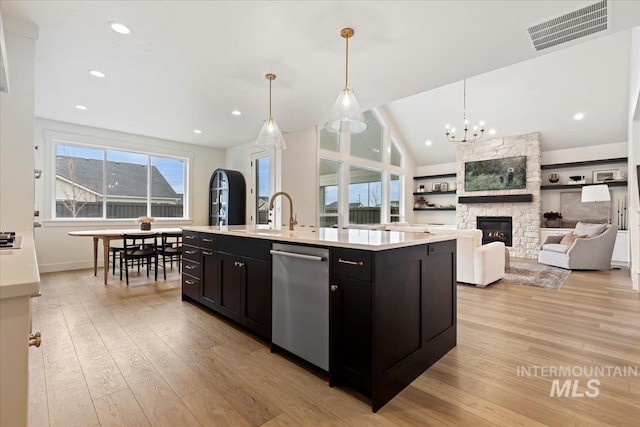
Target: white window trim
x=343, y=155
x=52, y=138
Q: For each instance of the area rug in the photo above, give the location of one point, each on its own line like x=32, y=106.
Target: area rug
x=540, y=275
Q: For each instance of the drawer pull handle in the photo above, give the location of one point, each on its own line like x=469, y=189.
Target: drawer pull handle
x=190, y=267
x=238, y=264
x=189, y=252
x=207, y=253
x=34, y=339
x=346, y=261
x=207, y=240
x=189, y=237
x=334, y=288
x=189, y=282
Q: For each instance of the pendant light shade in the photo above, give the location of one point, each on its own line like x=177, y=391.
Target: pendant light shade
x=270, y=136
x=345, y=115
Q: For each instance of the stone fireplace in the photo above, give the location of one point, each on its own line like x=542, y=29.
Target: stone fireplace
x=496, y=229
x=522, y=205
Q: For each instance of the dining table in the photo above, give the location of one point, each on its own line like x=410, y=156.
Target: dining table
x=113, y=234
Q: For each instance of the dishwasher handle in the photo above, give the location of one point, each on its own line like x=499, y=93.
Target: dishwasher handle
x=301, y=256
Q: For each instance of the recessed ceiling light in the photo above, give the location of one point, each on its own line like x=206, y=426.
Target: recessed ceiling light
x=119, y=28
x=492, y=131
x=96, y=73
x=428, y=142
x=579, y=116
x=236, y=112
x=197, y=131
x=81, y=107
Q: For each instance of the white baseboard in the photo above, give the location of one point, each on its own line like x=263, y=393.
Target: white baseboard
x=66, y=266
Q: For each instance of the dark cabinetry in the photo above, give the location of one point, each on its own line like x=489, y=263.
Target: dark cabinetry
x=226, y=198
x=232, y=276
x=392, y=315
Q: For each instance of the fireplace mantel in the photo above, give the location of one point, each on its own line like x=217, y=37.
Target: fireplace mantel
x=504, y=198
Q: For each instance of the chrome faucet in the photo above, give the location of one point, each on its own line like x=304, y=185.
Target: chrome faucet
x=292, y=220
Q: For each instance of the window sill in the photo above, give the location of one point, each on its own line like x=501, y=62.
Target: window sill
x=113, y=223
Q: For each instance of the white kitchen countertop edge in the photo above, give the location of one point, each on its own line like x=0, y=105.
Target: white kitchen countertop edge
x=372, y=240
x=19, y=274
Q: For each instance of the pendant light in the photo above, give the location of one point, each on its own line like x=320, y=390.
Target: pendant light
x=345, y=115
x=270, y=136
x=451, y=133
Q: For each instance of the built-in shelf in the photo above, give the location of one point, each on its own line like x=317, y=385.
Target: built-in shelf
x=429, y=193
x=585, y=163
x=443, y=175
x=434, y=209
x=568, y=186
x=505, y=198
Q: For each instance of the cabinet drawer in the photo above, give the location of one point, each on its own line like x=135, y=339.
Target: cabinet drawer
x=351, y=263
x=191, y=286
x=192, y=268
x=209, y=241
x=191, y=253
x=191, y=238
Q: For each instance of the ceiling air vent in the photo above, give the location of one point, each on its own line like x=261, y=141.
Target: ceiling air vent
x=570, y=26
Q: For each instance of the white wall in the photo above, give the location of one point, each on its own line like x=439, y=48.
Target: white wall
x=300, y=176
x=634, y=156
x=16, y=130
x=57, y=250
x=295, y=173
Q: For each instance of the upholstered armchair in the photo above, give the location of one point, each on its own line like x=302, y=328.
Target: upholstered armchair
x=477, y=264
x=588, y=247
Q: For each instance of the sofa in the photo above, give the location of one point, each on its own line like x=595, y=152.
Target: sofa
x=477, y=264
x=587, y=247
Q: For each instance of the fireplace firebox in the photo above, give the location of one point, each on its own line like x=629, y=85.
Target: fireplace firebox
x=496, y=229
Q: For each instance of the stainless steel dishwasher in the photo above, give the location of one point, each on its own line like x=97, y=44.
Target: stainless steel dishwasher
x=300, y=319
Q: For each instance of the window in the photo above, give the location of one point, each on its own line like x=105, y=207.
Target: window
x=262, y=187
x=328, y=193
x=329, y=140
x=360, y=176
x=395, y=190
x=111, y=184
x=368, y=144
x=365, y=191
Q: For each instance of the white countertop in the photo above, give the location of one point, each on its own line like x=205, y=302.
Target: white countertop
x=372, y=240
x=19, y=274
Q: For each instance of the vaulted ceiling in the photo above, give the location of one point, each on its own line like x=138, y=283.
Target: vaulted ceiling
x=186, y=65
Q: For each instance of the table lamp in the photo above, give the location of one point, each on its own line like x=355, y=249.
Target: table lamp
x=597, y=193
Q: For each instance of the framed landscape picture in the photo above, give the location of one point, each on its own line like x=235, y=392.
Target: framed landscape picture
x=496, y=174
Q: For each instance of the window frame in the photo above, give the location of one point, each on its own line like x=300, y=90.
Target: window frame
x=344, y=157
x=53, y=139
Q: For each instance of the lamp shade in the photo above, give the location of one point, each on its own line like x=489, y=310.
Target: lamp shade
x=596, y=193
x=345, y=115
x=270, y=136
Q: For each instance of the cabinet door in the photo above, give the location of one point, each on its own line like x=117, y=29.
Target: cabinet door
x=256, y=298
x=439, y=289
x=210, y=281
x=350, y=333
x=231, y=275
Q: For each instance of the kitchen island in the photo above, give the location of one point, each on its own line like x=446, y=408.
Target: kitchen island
x=391, y=296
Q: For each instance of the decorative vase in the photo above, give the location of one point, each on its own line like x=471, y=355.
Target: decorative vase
x=145, y=226
x=554, y=177
x=553, y=223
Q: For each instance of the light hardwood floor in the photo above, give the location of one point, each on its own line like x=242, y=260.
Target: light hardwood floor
x=138, y=355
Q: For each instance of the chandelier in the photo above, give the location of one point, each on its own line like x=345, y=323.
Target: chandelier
x=270, y=136
x=474, y=136
x=345, y=115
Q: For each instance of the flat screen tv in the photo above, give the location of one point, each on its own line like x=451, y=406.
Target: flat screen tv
x=496, y=174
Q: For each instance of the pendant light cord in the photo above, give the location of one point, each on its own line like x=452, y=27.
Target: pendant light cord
x=270, y=80
x=464, y=100
x=346, y=68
